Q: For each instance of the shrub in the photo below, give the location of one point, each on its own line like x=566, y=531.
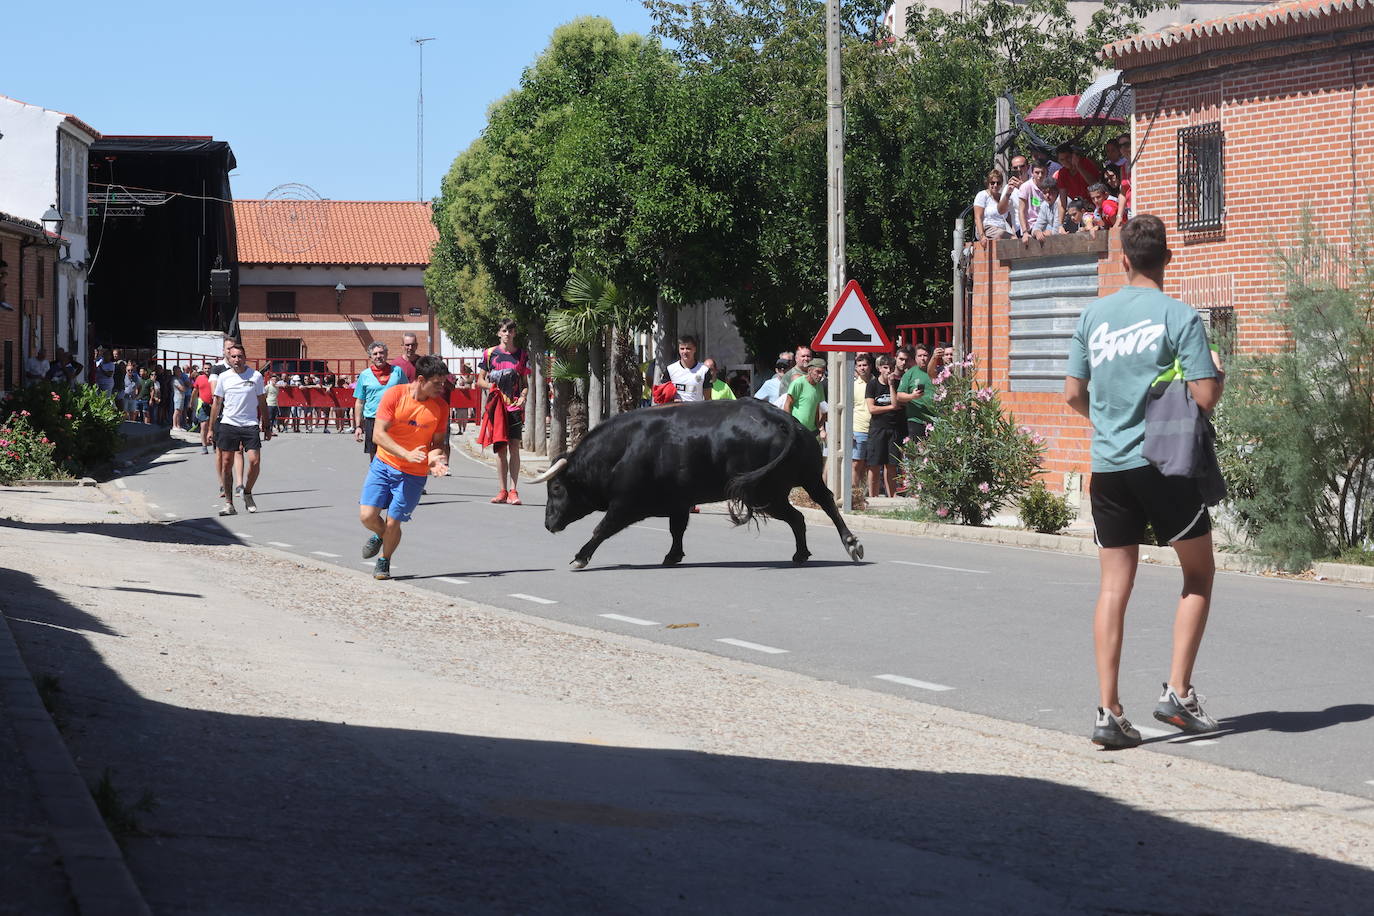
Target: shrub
x=1041, y=510
x=974, y=459
x=25, y=453
x=82, y=422
x=1296, y=427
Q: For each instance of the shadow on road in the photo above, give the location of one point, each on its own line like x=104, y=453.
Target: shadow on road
x=271, y=815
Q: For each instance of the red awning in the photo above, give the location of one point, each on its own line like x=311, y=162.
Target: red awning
x=1063, y=110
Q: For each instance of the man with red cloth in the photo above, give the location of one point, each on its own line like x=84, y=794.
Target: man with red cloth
x=1076, y=173
x=502, y=373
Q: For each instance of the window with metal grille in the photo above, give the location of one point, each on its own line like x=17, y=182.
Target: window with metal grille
x=1201, y=177
x=281, y=304
x=1221, y=328
x=283, y=348
x=386, y=304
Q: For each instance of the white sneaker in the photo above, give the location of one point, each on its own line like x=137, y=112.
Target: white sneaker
x=228, y=510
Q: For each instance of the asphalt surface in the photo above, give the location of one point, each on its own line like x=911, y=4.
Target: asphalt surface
x=1001, y=631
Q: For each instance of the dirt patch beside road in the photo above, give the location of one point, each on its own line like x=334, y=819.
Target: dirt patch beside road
x=317, y=741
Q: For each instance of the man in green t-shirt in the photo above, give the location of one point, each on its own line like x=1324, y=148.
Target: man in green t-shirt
x=916, y=393
x=804, y=396
x=720, y=389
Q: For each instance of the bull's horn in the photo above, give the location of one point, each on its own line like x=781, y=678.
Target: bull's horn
x=552, y=472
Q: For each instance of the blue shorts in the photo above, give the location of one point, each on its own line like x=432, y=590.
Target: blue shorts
x=393, y=490
x=860, y=446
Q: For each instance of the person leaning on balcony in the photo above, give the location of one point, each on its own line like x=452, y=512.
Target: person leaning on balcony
x=989, y=221
x=1077, y=172
x=1047, y=217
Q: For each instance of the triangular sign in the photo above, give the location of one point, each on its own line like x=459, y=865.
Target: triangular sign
x=851, y=326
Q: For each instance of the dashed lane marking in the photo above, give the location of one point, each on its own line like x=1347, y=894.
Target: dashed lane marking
x=982, y=572
x=172, y=515
x=912, y=682
x=278, y=544
x=120, y=484
x=450, y=580
x=634, y=620
x=154, y=506
x=242, y=534
x=771, y=650
x=1154, y=732
x=322, y=553
x=535, y=598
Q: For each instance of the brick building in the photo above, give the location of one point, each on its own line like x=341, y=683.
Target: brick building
x=28, y=295
x=319, y=280
x=1239, y=123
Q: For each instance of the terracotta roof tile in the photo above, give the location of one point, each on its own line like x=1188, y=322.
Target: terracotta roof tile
x=1270, y=23
x=384, y=232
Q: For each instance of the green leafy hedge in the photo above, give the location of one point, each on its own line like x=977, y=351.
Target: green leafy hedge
x=82, y=423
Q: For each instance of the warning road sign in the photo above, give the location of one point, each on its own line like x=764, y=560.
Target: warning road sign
x=851, y=326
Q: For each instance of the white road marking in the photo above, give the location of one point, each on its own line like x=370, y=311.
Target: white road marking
x=240, y=534
x=172, y=515
x=635, y=620
x=535, y=598
x=651, y=528
x=1369, y=782
x=321, y=553
x=982, y=572
x=154, y=506
x=1153, y=732
x=753, y=645
x=450, y=581
x=120, y=484
x=278, y=544
x=911, y=682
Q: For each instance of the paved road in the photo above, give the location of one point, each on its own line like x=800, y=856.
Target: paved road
x=996, y=630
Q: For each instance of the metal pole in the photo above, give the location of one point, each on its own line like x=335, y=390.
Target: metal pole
x=420, y=124
x=956, y=254
x=840, y=423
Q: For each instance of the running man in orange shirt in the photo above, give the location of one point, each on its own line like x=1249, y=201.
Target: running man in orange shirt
x=411, y=422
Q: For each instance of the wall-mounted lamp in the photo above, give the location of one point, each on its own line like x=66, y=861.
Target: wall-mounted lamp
x=52, y=224
x=339, y=290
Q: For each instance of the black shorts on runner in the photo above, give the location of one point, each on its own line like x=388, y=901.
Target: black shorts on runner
x=232, y=438
x=515, y=429
x=1124, y=501
x=882, y=447
x=369, y=423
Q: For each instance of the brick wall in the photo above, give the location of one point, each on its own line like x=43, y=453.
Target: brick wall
x=27, y=301
x=356, y=327
x=1290, y=126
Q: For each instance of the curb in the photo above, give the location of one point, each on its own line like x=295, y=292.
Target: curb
x=97, y=875
x=68, y=482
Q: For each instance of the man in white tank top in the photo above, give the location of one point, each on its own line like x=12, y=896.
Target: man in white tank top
x=688, y=375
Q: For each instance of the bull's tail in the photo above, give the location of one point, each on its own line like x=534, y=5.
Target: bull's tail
x=741, y=491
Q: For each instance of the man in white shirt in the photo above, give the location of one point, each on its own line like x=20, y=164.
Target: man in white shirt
x=36, y=368
x=239, y=411
x=688, y=375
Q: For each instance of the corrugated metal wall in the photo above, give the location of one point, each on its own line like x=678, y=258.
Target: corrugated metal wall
x=1047, y=296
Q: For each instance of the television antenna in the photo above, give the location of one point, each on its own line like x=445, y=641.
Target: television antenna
x=293, y=218
x=420, y=124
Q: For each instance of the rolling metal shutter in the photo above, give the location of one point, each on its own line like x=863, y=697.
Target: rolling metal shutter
x=1047, y=296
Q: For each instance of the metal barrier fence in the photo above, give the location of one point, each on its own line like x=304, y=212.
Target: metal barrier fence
x=931, y=334
x=310, y=406
x=349, y=368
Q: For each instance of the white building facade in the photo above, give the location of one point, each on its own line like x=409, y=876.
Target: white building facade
x=43, y=165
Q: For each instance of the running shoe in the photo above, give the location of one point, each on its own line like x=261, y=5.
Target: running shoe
x=373, y=545
x=1185, y=712
x=228, y=510
x=248, y=502
x=204, y=450
x=238, y=489
x=383, y=570
x=513, y=499
x=500, y=497
x=1113, y=731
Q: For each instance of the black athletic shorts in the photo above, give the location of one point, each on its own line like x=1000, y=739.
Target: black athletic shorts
x=883, y=446
x=369, y=423
x=515, y=429
x=1124, y=501
x=232, y=438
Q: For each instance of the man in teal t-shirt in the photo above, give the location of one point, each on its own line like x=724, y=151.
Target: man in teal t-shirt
x=916, y=393
x=367, y=393
x=1122, y=344
x=804, y=395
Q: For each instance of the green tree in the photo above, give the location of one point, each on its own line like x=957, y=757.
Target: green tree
x=1297, y=423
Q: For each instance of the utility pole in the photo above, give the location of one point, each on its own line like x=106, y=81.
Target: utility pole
x=420, y=124
x=840, y=422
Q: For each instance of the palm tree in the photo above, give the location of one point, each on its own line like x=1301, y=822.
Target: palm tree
x=597, y=305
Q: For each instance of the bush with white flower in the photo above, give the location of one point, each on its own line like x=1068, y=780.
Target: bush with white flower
x=975, y=459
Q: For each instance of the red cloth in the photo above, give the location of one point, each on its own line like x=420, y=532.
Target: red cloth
x=665, y=393
x=1074, y=184
x=493, y=427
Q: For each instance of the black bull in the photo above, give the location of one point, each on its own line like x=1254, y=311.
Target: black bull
x=663, y=461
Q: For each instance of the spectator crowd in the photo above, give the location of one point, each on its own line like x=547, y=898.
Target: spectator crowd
x=1055, y=192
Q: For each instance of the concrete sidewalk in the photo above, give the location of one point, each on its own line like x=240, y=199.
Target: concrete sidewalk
x=358, y=746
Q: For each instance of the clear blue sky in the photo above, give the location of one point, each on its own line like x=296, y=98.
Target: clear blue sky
x=321, y=93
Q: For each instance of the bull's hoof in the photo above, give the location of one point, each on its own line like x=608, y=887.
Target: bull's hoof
x=801, y=556
x=856, y=550
x=578, y=563
x=673, y=559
